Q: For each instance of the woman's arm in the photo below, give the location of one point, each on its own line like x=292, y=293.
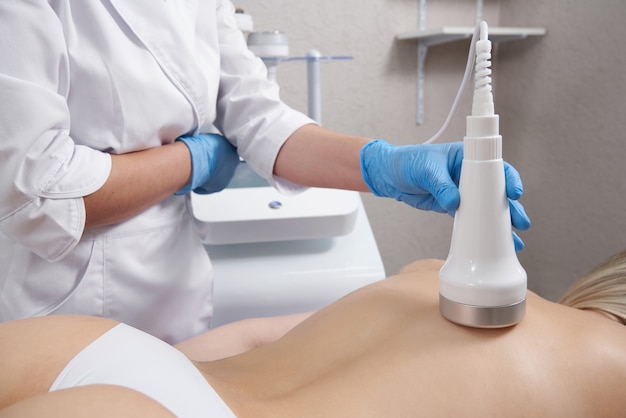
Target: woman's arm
x=238, y=337
x=317, y=157
x=137, y=181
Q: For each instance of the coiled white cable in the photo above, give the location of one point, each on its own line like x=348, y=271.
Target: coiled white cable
x=482, y=104
x=481, y=32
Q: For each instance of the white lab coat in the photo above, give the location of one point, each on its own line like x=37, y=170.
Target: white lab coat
x=82, y=79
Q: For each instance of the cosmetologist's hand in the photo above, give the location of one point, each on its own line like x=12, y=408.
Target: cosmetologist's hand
x=427, y=177
x=213, y=160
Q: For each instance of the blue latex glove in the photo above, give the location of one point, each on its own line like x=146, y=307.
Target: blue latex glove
x=213, y=161
x=427, y=177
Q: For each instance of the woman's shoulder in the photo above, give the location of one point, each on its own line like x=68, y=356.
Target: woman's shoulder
x=601, y=361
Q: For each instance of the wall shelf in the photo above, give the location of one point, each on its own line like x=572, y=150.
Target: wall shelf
x=452, y=33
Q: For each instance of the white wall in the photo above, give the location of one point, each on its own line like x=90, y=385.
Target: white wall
x=560, y=100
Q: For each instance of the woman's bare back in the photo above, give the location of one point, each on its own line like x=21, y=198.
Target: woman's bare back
x=386, y=351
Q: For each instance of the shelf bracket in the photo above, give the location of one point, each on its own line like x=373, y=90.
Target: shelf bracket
x=422, y=52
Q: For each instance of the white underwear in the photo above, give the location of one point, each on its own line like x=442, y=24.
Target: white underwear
x=128, y=357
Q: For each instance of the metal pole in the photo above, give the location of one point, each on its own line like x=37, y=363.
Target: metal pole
x=314, y=85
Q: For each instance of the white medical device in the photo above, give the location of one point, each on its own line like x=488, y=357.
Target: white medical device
x=482, y=283
x=271, y=47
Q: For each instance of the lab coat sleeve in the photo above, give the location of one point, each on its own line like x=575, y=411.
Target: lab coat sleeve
x=249, y=110
x=43, y=173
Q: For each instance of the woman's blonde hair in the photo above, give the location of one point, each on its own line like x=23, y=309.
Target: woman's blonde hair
x=602, y=289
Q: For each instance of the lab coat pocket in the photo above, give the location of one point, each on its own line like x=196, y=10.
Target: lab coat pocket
x=31, y=286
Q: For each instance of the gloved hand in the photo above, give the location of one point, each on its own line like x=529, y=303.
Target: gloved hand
x=427, y=177
x=213, y=161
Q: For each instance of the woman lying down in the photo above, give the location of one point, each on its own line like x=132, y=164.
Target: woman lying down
x=382, y=351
